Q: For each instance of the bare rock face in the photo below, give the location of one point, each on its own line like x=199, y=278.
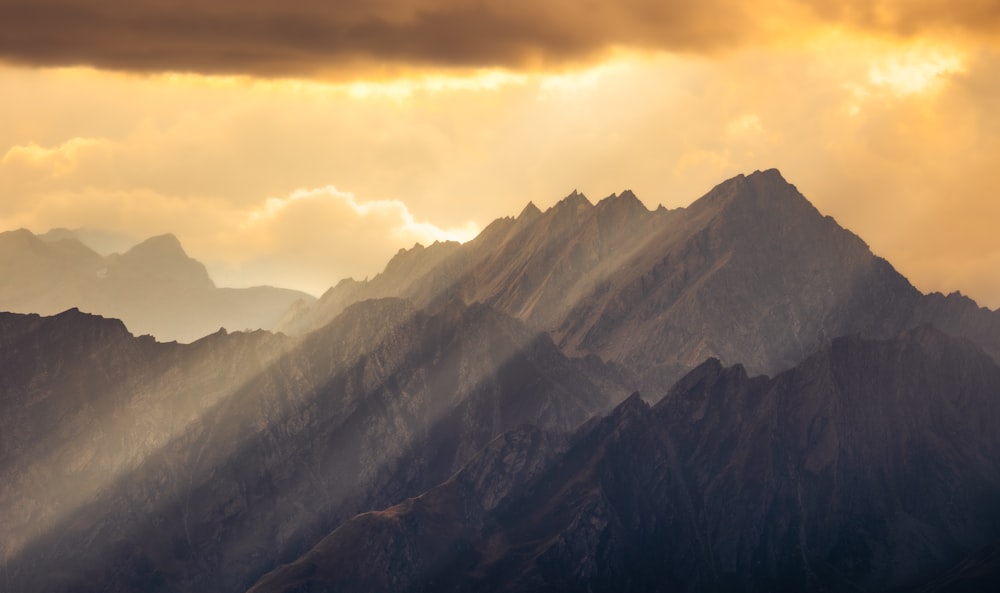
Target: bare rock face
x=870, y=466
x=154, y=287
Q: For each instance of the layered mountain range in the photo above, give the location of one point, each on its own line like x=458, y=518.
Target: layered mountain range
x=829, y=476
x=460, y=422
x=751, y=273
x=154, y=287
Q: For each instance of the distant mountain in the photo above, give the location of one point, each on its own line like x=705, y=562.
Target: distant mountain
x=749, y=273
x=870, y=465
x=253, y=463
x=103, y=242
x=154, y=287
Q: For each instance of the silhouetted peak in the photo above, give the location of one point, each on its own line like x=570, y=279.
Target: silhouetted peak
x=213, y=337
x=625, y=202
x=77, y=321
x=762, y=194
x=575, y=201
x=341, y=285
x=19, y=237
x=163, y=257
x=530, y=213
x=771, y=175
x=632, y=405
x=160, y=245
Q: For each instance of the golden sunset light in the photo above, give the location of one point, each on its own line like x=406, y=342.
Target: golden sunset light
x=271, y=137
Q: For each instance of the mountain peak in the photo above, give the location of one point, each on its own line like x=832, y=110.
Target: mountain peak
x=163, y=257
x=623, y=202
x=20, y=237
x=575, y=201
x=771, y=174
x=762, y=193
x=530, y=212
x=166, y=244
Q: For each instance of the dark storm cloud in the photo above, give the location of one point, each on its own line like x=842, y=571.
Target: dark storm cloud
x=304, y=37
x=913, y=17
x=312, y=37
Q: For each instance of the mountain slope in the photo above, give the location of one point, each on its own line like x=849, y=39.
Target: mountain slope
x=749, y=273
x=83, y=401
x=154, y=287
x=531, y=267
x=871, y=465
x=382, y=404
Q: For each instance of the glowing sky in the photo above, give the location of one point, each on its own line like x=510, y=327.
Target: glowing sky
x=301, y=141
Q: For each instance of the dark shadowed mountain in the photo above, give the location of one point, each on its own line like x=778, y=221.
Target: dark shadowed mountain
x=85, y=403
x=869, y=466
x=154, y=287
x=749, y=273
x=382, y=404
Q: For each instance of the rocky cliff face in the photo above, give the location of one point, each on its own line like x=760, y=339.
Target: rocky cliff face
x=154, y=287
x=870, y=466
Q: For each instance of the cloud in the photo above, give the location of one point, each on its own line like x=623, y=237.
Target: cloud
x=313, y=237
x=912, y=18
x=308, y=239
x=905, y=158
x=57, y=160
x=318, y=38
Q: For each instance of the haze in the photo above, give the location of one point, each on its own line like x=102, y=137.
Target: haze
x=296, y=143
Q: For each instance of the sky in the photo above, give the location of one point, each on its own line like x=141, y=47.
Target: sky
x=297, y=142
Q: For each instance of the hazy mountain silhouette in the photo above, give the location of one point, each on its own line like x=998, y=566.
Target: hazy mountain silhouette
x=871, y=465
x=154, y=287
x=103, y=242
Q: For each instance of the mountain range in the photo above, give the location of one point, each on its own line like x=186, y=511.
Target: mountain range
x=751, y=273
x=801, y=418
x=154, y=287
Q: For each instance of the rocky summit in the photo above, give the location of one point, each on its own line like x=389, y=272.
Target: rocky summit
x=801, y=418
